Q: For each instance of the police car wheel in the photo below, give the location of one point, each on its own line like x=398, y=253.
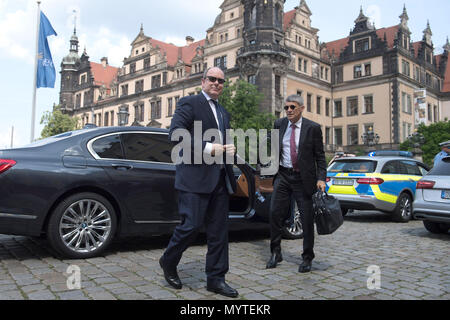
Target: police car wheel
x=403, y=210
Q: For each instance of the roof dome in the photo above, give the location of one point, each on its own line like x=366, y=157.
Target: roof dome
x=71, y=59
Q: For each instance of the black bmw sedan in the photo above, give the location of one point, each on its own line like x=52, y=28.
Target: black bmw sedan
x=82, y=189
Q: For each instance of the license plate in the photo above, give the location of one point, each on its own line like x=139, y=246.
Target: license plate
x=445, y=194
x=343, y=182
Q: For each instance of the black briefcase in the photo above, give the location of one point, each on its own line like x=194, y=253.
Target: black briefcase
x=327, y=213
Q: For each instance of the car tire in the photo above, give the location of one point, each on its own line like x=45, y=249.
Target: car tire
x=82, y=226
x=403, y=209
x=293, y=229
x=435, y=227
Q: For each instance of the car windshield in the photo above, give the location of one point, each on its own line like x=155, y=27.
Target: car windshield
x=353, y=166
x=442, y=168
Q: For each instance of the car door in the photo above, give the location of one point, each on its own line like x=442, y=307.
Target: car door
x=142, y=176
x=412, y=174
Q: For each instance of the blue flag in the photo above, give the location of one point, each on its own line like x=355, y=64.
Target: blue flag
x=46, y=74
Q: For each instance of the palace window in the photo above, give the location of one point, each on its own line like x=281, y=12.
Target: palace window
x=338, y=108
x=155, y=112
x=352, y=106
x=277, y=85
x=327, y=107
x=221, y=62
x=368, y=104
x=352, y=135
x=309, y=103
x=170, y=107
x=327, y=135
x=139, y=86
x=319, y=105
x=357, y=71
x=124, y=90
x=133, y=68
x=156, y=81
x=362, y=45
x=252, y=79
x=367, y=69
x=146, y=63
x=338, y=136
x=406, y=68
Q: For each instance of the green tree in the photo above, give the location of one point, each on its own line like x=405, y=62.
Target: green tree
x=56, y=123
x=242, y=99
x=434, y=134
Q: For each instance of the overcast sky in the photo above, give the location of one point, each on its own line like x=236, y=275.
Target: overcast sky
x=106, y=28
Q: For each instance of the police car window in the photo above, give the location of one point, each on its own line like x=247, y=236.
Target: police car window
x=423, y=170
x=108, y=147
x=353, y=166
x=390, y=168
x=147, y=147
x=410, y=168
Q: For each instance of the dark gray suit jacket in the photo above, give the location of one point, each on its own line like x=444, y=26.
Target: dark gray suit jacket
x=311, y=155
x=198, y=178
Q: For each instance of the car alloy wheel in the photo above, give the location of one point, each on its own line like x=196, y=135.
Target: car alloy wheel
x=82, y=226
x=85, y=226
x=403, y=211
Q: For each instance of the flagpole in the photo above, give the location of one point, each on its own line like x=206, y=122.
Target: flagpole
x=36, y=58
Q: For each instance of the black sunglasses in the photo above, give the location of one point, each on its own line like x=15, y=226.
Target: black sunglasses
x=214, y=79
x=292, y=107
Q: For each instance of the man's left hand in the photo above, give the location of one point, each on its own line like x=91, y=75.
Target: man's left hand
x=230, y=149
x=321, y=185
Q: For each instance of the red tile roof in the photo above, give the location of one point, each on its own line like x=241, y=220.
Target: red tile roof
x=446, y=84
x=173, y=52
x=416, y=46
x=287, y=19
x=102, y=75
x=338, y=45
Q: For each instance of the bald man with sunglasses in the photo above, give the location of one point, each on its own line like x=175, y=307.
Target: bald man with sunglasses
x=301, y=173
x=203, y=189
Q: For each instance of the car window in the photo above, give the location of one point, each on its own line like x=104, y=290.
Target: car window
x=353, y=166
x=409, y=168
x=442, y=168
x=424, y=171
x=108, y=147
x=147, y=147
x=391, y=167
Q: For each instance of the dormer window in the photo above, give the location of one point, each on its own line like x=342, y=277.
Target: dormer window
x=362, y=45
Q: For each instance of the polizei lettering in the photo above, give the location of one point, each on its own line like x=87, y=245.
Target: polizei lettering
x=247, y=309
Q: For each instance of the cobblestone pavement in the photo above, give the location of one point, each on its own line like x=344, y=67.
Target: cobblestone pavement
x=414, y=264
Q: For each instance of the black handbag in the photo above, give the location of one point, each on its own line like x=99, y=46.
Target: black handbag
x=327, y=213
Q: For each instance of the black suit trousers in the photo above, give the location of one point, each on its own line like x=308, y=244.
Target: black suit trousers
x=286, y=185
x=198, y=210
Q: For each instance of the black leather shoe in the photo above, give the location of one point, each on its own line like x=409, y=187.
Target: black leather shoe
x=171, y=276
x=274, y=260
x=223, y=289
x=305, y=266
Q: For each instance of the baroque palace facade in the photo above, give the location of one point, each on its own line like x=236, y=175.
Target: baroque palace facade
x=375, y=79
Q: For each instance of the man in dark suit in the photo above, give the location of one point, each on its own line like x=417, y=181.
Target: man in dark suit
x=301, y=172
x=203, y=189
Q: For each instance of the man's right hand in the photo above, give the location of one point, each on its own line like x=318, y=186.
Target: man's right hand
x=217, y=150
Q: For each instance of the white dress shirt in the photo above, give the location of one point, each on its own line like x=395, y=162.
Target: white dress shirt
x=286, y=153
x=208, y=147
